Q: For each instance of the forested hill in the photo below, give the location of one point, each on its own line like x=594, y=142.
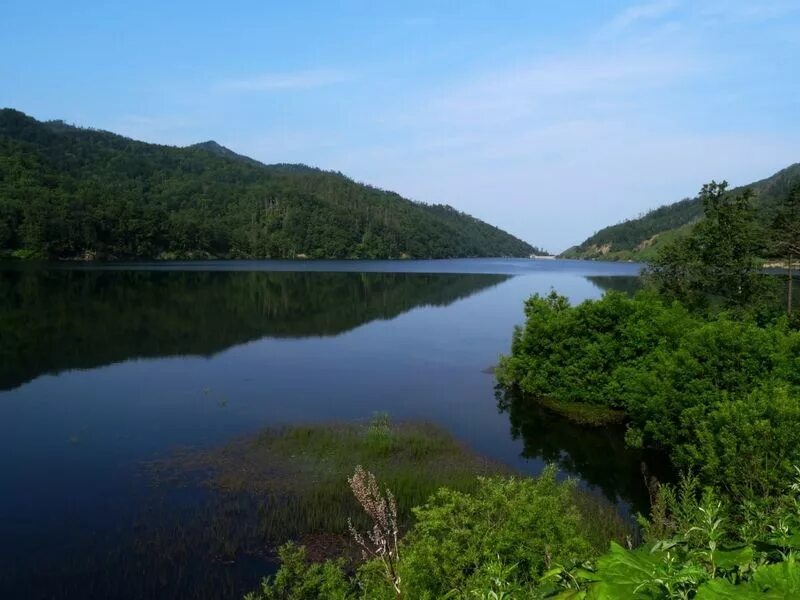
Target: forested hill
x=638, y=239
x=68, y=192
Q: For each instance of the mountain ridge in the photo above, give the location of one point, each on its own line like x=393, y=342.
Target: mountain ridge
x=640, y=238
x=70, y=192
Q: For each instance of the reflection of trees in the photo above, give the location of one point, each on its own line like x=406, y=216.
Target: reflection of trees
x=595, y=454
x=58, y=319
x=629, y=285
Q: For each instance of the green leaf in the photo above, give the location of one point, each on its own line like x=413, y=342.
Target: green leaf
x=732, y=558
x=571, y=595
x=722, y=589
x=773, y=582
x=621, y=572
x=783, y=577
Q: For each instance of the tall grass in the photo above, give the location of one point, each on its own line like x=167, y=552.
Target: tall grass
x=291, y=483
x=298, y=474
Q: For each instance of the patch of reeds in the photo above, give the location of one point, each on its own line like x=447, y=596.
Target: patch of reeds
x=299, y=473
x=291, y=483
x=602, y=522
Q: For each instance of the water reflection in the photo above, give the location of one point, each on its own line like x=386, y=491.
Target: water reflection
x=598, y=455
x=232, y=350
x=775, y=291
x=53, y=320
x=627, y=285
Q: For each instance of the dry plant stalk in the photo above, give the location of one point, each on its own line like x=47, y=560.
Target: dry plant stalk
x=381, y=541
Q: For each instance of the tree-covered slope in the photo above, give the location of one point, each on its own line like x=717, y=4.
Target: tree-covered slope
x=71, y=192
x=638, y=239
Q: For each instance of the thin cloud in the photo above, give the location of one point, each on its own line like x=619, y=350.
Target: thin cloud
x=284, y=81
x=550, y=85
x=633, y=15
x=594, y=122
x=748, y=11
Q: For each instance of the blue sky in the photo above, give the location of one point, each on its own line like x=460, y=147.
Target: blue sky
x=548, y=119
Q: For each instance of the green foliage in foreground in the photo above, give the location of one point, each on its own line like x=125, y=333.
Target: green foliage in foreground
x=525, y=525
x=67, y=192
x=720, y=394
x=694, y=549
x=507, y=532
x=298, y=579
x=522, y=539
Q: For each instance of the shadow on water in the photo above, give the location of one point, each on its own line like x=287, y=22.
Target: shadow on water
x=776, y=287
x=597, y=455
x=627, y=285
x=56, y=319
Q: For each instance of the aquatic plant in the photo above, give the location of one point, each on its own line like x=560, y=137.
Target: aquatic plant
x=294, y=480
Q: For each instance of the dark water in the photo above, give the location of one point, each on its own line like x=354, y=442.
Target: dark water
x=103, y=367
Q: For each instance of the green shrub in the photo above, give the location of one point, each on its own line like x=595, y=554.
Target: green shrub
x=746, y=446
x=298, y=579
x=572, y=354
x=694, y=549
x=523, y=540
x=710, y=362
x=718, y=393
x=528, y=525
x=781, y=580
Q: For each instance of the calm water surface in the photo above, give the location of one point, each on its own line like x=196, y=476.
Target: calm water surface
x=103, y=367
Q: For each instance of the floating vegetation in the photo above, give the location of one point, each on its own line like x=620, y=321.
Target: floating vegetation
x=290, y=483
x=299, y=473
x=217, y=515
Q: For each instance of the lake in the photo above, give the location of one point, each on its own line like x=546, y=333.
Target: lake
x=107, y=366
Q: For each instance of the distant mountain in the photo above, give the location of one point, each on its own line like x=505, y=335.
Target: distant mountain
x=640, y=238
x=69, y=192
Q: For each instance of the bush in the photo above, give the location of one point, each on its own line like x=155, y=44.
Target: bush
x=718, y=393
x=572, y=354
x=710, y=362
x=523, y=539
x=527, y=525
x=694, y=550
x=746, y=446
x=298, y=579
x=497, y=542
